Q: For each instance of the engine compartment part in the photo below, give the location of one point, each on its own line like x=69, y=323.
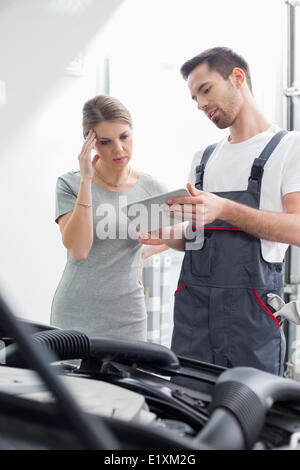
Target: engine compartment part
x=123, y=389
x=96, y=397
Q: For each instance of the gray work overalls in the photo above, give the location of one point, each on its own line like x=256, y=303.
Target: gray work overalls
x=220, y=313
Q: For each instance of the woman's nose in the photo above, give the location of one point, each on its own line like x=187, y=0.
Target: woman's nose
x=118, y=147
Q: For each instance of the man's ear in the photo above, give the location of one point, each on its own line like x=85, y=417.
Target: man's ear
x=238, y=77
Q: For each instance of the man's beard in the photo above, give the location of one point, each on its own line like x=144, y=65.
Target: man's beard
x=224, y=120
x=230, y=110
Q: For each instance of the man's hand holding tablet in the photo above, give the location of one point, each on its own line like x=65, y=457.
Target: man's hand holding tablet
x=151, y=214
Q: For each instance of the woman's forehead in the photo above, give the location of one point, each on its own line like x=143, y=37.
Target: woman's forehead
x=110, y=128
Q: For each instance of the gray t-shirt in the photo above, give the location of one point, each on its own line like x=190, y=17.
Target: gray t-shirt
x=101, y=295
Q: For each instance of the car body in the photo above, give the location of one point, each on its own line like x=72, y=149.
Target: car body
x=146, y=396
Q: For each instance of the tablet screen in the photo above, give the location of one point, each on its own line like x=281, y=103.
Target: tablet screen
x=149, y=214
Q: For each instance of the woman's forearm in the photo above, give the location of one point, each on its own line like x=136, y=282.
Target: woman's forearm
x=176, y=238
x=153, y=250
x=77, y=235
x=173, y=237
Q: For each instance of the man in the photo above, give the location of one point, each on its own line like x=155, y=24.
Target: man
x=248, y=187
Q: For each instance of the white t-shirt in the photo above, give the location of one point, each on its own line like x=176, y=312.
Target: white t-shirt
x=229, y=168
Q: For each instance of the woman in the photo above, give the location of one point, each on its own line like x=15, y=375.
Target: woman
x=99, y=292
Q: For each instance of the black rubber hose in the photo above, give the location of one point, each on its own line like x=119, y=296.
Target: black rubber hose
x=223, y=432
x=94, y=435
x=245, y=394
x=69, y=344
x=65, y=344
x=128, y=351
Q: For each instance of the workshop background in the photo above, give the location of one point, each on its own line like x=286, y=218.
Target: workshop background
x=56, y=54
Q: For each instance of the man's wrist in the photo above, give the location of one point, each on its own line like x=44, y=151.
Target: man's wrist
x=226, y=210
x=234, y=213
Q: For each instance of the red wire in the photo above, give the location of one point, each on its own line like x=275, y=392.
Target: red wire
x=180, y=287
x=265, y=307
x=216, y=228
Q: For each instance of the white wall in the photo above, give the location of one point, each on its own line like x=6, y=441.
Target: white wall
x=40, y=135
x=297, y=67
x=157, y=38
x=40, y=131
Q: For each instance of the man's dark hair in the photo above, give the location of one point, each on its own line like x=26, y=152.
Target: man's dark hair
x=221, y=59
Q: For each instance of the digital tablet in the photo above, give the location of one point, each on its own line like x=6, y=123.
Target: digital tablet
x=149, y=214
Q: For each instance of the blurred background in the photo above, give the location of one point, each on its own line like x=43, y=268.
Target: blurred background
x=56, y=54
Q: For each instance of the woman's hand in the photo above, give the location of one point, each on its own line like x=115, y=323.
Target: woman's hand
x=148, y=251
x=85, y=163
x=163, y=235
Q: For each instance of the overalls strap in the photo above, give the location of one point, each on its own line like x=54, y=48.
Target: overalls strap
x=219, y=311
x=200, y=168
x=257, y=169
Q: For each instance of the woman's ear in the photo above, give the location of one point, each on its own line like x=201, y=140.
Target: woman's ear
x=95, y=159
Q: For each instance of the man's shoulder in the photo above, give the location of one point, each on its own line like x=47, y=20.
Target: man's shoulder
x=215, y=145
x=290, y=144
x=294, y=136
x=290, y=135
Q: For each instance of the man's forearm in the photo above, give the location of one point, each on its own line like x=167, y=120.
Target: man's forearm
x=273, y=226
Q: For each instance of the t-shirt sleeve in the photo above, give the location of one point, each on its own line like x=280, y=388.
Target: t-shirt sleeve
x=160, y=188
x=155, y=187
x=65, y=198
x=195, y=163
x=291, y=170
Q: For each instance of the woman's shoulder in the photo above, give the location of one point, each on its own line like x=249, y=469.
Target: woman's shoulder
x=68, y=182
x=70, y=176
x=151, y=184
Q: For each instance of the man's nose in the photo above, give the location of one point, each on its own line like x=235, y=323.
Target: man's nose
x=202, y=104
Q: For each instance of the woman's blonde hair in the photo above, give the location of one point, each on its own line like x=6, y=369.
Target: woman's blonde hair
x=103, y=108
